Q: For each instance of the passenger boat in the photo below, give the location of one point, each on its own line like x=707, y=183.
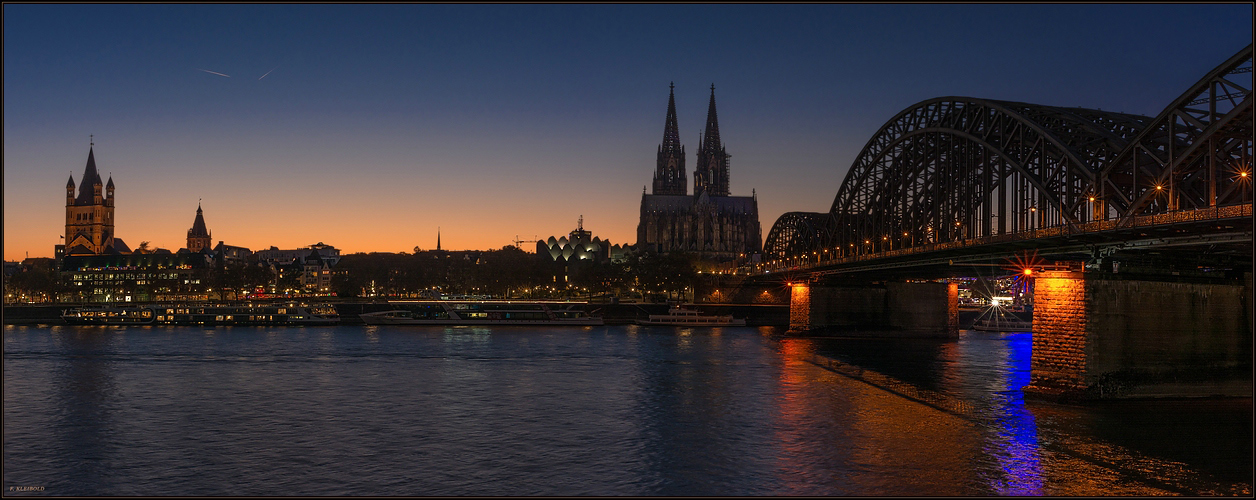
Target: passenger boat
x=677, y=316
x=276, y=314
x=483, y=312
x=109, y=315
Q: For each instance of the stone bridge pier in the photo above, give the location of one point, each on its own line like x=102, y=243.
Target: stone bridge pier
x=1102, y=338
x=889, y=309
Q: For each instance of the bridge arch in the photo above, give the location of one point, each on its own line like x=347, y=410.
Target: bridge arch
x=953, y=168
x=796, y=233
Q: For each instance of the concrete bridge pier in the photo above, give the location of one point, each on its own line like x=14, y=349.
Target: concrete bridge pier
x=891, y=309
x=1097, y=338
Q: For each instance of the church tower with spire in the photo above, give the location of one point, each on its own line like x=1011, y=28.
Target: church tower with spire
x=89, y=215
x=669, y=172
x=198, y=237
x=711, y=176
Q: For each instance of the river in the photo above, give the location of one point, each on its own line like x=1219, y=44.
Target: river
x=613, y=410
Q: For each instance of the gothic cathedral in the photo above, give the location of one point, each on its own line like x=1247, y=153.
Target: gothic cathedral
x=710, y=222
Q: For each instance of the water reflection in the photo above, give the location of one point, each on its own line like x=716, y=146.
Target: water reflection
x=594, y=411
x=1015, y=443
x=84, y=418
x=1121, y=448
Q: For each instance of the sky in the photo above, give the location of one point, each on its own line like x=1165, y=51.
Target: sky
x=373, y=127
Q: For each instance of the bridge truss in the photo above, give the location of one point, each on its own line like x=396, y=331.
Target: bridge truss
x=955, y=169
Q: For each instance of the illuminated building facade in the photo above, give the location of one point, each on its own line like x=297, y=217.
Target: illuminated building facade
x=576, y=251
x=709, y=223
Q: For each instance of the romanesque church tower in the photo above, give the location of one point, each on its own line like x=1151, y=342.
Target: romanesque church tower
x=89, y=215
x=198, y=237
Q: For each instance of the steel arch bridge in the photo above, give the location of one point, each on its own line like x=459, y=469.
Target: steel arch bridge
x=959, y=169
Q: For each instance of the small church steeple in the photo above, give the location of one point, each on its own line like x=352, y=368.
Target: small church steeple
x=198, y=237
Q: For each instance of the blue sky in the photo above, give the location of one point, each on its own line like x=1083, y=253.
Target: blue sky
x=378, y=123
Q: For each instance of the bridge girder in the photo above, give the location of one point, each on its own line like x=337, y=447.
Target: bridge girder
x=1191, y=155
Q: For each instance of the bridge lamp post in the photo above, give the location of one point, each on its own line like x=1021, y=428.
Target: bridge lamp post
x=1160, y=191
x=1244, y=178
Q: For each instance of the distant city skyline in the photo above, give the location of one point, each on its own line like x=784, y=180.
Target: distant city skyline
x=367, y=127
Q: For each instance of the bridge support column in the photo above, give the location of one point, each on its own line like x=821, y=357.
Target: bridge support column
x=893, y=309
x=1104, y=339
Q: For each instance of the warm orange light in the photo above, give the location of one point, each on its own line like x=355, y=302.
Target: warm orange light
x=1159, y=187
x=1242, y=174
x=1092, y=198
x=1029, y=272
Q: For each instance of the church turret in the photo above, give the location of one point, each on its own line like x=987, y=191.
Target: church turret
x=711, y=174
x=669, y=173
x=69, y=191
x=109, y=192
x=198, y=237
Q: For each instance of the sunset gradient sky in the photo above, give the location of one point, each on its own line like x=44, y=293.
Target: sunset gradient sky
x=375, y=124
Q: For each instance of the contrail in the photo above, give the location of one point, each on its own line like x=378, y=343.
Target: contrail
x=268, y=72
x=214, y=72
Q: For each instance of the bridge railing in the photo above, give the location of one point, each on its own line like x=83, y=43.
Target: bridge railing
x=818, y=258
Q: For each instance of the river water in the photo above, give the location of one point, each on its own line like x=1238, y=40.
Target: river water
x=614, y=410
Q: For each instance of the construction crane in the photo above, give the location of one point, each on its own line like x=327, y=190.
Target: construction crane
x=519, y=242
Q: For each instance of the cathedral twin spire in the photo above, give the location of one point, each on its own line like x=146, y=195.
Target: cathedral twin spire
x=711, y=175
x=669, y=174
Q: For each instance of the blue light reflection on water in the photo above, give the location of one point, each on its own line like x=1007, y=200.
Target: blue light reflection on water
x=1018, y=438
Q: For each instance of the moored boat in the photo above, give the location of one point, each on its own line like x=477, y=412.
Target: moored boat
x=483, y=312
x=678, y=316
x=109, y=315
x=276, y=314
